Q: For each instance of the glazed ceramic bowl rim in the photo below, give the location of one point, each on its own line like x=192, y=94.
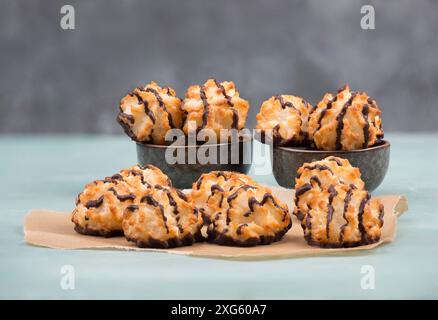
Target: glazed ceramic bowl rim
x=384, y=144
x=246, y=138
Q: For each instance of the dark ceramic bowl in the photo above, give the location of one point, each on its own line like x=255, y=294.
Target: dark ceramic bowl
x=184, y=173
x=372, y=162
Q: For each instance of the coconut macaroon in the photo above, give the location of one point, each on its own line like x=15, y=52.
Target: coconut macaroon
x=100, y=207
x=148, y=113
x=287, y=116
x=140, y=177
x=334, y=208
x=208, y=192
x=249, y=215
x=345, y=121
x=329, y=171
x=214, y=106
x=162, y=218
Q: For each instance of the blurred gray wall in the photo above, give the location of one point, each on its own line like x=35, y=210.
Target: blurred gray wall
x=54, y=80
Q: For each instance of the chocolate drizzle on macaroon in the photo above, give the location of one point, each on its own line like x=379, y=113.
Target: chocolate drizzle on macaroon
x=329, y=202
x=122, y=197
x=224, y=93
x=94, y=203
x=162, y=105
x=206, y=106
x=340, y=121
x=332, y=194
x=362, y=205
x=366, y=128
x=347, y=200
x=152, y=202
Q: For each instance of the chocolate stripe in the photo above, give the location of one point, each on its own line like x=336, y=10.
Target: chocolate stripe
x=239, y=228
x=224, y=92
x=216, y=187
x=323, y=112
x=319, y=167
x=198, y=184
x=162, y=105
x=221, y=200
x=145, y=105
x=246, y=187
x=131, y=119
x=149, y=112
x=308, y=225
x=205, y=103
x=338, y=162
x=381, y=214
x=122, y=197
x=371, y=102
x=213, y=189
x=247, y=214
x=228, y=220
x=302, y=190
x=316, y=180
x=233, y=196
x=267, y=196
x=135, y=173
x=330, y=209
x=221, y=174
x=235, y=123
x=229, y=200
x=181, y=194
x=151, y=201
x=236, y=194
x=366, y=128
x=116, y=176
x=126, y=127
x=94, y=203
x=139, y=174
x=235, y=117
x=340, y=121
x=347, y=200
x=360, y=216
x=127, y=117
x=286, y=104
x=132, y=207
x=174, y=204
x=157, y=96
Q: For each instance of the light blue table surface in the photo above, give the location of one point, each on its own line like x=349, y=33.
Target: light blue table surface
x=48, y=172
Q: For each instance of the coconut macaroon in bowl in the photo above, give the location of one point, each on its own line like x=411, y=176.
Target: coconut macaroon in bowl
x=188, y=137
x=346, y=124
x=373, y=162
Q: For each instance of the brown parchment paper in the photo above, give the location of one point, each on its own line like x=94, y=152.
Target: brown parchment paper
x=54, y=229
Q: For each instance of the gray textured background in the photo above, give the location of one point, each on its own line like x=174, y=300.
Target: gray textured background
x=71, y=81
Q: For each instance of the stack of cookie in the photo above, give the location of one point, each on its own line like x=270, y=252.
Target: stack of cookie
x=333, y=206
x=141, y=204
x=148, y=113
x=345, y=121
